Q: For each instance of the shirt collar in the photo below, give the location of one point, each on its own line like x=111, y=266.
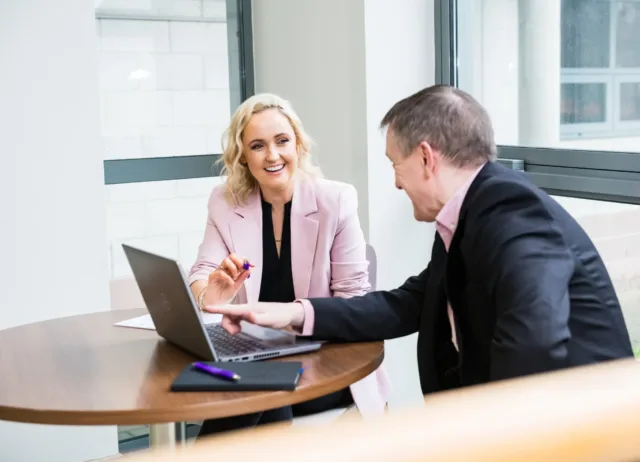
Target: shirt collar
x=450, y=213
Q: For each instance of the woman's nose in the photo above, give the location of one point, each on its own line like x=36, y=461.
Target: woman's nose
x=272, y=153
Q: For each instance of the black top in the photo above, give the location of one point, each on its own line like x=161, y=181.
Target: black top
x=277, y=278
x=528, y=290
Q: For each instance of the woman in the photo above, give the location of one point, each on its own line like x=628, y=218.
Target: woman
x=299, y=233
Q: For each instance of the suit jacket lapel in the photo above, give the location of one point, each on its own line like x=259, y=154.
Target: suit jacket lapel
x=436, y=354
x=245, y=225
x=455, y=275
x=304, y=235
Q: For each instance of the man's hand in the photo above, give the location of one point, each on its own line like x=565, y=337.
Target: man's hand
x=273, y=315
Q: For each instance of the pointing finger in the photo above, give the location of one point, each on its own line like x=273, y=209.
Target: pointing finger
x=263, y=319
x=227, y=310
x=230, y=325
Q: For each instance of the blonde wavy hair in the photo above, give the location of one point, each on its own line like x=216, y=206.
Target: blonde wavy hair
x=240, y=183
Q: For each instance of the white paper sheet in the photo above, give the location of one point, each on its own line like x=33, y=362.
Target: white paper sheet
x=145, y=321
x=141, y=322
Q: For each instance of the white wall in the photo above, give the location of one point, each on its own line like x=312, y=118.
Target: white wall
x=52, y=234
x=400, y=61
x=343, y=64
x=313, y=54
x=164, y=85
x=165, y=217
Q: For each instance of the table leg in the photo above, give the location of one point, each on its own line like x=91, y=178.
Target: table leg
x=167, y=435
x=181, y=433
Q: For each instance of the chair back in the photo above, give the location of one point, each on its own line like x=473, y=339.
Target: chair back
x=125, y=294
x=373, y=266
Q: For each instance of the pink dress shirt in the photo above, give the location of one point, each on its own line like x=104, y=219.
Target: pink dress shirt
x=446, y=223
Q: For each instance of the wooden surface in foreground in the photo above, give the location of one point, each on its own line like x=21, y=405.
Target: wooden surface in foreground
x=587, y=414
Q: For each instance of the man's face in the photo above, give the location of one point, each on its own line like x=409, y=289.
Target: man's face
x=414, y=175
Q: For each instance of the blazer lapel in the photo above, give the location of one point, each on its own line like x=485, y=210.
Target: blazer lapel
x=245, y=226
x=304, y=235
x=455, y=271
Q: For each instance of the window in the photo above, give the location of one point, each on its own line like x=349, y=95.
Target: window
x=615, y=230
x=561, y=82
x=170, y=73
x=600, y=68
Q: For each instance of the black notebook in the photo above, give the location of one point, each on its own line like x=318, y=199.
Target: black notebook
x=255, y=376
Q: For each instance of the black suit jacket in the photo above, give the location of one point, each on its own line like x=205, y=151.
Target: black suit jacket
x=527, y=287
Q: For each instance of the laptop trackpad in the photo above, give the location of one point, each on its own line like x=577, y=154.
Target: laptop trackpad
x=272, y=337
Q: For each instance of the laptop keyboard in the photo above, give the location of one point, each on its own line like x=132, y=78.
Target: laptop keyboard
x=232, y=345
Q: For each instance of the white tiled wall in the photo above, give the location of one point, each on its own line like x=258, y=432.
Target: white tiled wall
x=164, y=91
x=165, y=217
x=164, y=84
x=173, y=8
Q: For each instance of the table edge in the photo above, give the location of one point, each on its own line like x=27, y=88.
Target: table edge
x=189, y=412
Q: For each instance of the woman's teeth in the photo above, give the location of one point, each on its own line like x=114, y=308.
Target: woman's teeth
x=275, y=168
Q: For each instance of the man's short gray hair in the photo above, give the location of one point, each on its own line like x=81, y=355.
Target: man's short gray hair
x=450, y=120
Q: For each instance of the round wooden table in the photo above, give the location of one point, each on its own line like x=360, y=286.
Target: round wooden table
x=82, y=370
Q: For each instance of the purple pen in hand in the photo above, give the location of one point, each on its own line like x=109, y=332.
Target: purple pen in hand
x=215, y=371
x=246, y=267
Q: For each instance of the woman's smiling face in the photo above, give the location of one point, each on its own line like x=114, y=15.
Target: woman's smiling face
x=270, y=149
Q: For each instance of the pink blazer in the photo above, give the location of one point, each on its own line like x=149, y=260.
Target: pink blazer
x=328, y=254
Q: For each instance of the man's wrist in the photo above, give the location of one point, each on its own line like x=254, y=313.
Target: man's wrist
x=298, y=317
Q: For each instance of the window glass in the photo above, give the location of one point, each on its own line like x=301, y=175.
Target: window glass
x=554, y=73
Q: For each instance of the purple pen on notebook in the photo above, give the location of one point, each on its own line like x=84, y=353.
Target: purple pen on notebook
x=216, y=371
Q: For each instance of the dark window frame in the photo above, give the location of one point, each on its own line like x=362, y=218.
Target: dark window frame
x=599, y=175
x=242, y=85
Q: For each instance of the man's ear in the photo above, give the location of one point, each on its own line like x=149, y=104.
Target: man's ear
x=427, y=157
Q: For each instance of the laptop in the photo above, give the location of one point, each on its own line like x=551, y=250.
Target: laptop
x=178, y=320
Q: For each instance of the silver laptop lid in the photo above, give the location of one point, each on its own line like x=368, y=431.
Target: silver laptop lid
x=170, y=302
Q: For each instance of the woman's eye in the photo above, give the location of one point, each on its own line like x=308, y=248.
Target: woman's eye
x=283, y=141
x=255, y=147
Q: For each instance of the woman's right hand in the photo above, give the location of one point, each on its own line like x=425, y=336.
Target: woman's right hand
x=225, y=281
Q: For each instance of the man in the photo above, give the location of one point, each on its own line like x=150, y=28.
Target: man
x=514, y=286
